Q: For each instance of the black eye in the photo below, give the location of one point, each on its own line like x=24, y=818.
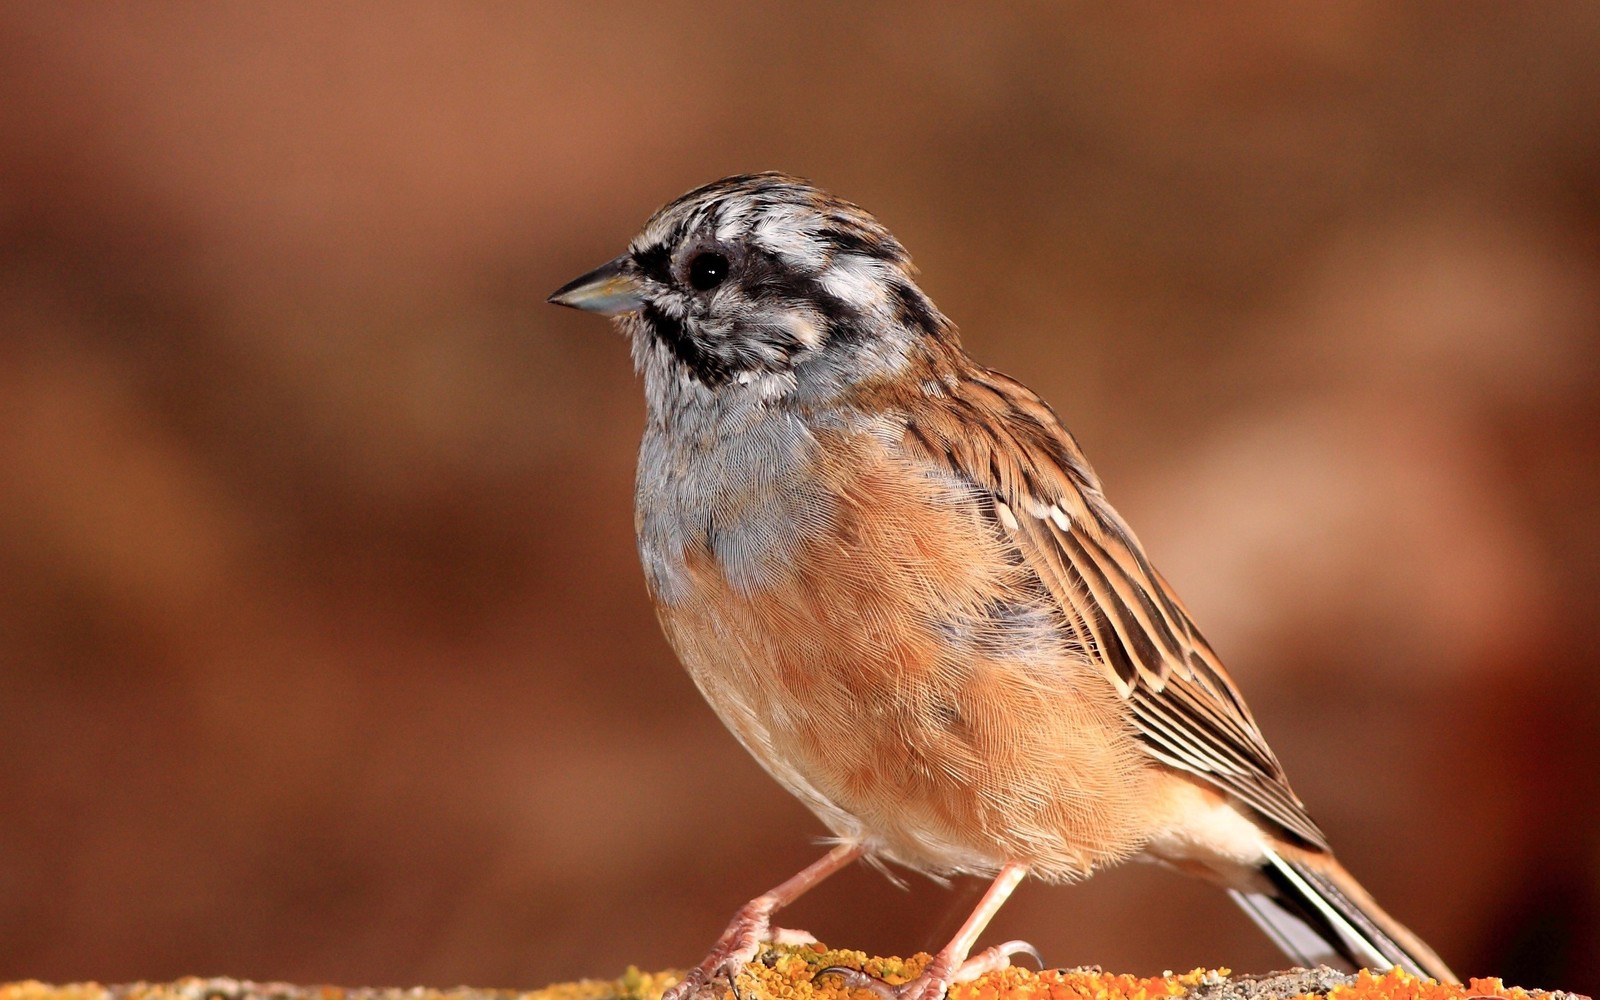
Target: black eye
x=707, y=270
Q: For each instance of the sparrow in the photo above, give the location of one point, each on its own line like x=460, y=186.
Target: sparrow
x=896, y=579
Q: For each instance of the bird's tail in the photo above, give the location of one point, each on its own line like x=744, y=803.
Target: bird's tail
x=1319, y=914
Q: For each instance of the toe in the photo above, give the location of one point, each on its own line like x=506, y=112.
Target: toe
x=924, y=987
x=994, y=959
x=855, y=979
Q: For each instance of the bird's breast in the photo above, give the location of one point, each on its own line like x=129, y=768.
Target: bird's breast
x=861, y=625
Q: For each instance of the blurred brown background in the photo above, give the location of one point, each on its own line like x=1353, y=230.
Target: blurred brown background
x=324, y=654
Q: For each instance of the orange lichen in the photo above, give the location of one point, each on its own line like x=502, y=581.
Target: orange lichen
x=1398, y=985
x=631, y=985
x=792, y=973
x=1076, y=984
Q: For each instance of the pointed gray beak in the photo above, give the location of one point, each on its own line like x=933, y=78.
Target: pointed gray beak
x=609, y=289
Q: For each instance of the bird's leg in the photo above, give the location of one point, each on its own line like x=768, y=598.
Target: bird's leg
x=752, y=925
x=953, y=964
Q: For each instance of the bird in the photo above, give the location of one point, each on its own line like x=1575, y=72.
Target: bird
x=896, y=579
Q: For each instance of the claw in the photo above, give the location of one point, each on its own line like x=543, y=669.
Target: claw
x=1001, y=953
x=923, y=986
x=984, y=962
x=855, y=979
x=696, y=980
x=751, y=926
x=994, y=959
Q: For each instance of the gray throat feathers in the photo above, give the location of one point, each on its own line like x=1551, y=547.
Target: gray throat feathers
x=721, y=470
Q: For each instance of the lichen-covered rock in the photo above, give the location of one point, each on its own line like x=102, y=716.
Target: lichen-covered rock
x=792, y=973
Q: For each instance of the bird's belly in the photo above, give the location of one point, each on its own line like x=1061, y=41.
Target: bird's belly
x=907, y=687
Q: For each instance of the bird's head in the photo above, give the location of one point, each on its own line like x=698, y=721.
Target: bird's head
x=756, y=278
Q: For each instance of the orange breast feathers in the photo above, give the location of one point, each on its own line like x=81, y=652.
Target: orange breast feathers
x=904, y=672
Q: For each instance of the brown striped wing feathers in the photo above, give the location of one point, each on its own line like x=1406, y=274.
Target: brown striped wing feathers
x=998, y=435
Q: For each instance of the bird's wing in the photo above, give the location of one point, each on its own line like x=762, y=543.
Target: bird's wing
x=1000, y=437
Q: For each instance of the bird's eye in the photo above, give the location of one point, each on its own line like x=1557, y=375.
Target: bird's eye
x=707, y=270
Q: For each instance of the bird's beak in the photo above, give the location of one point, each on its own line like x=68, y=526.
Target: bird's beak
x=609, y=289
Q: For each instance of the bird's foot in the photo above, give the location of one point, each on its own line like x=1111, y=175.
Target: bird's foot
x=994, y=959
x=740, y=943
x=941, y=973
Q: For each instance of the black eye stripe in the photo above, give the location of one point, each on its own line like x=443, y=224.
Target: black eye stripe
x=655, y=263
x=765, y=276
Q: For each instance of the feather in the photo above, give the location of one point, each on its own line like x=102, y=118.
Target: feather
x=994, y=433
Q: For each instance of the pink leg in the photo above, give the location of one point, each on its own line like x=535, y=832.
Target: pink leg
x=952, y=965
x=752, y=925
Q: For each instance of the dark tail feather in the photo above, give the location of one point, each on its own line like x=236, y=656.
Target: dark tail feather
x=1319, y=915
